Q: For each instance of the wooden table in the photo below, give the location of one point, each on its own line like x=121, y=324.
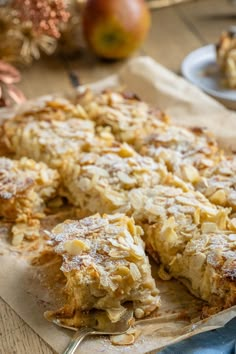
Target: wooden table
x=175, y=32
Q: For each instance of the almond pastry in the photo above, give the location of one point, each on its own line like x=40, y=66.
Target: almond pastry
x=105, y=266
x=25, y=186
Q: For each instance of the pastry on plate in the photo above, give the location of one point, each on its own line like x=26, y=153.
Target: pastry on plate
x=100, y=180
x=226, y=57
x=25, y=186
x=105, y=266
x=177, y=223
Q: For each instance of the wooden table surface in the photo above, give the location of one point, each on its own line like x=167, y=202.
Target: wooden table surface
x=175, y=32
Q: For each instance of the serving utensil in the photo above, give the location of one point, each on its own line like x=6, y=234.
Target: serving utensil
x=98, y=324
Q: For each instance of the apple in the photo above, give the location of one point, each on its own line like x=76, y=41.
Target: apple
x=114, y=29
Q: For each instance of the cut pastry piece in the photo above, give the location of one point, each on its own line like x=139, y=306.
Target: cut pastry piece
x=25, y=186
x=105, y=266
x=100, y=181
x=51, y=108
x=171, y=218
x=51, y=141
x=128, y=117
x=186, y=152
x=176, y=224
x=226, y=57
x=44, y=109
x=218, y=183
x=208, y=268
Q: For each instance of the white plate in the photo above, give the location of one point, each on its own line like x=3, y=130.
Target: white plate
x=200, y=68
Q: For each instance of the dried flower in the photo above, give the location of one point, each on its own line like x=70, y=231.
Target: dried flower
x=71, y=40
x=29, y=27
x=8, y=91
x=45, y=16
x=32, y=43
x=9, y=44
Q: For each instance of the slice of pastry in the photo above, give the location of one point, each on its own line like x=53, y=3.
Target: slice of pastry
x=105, y=266
x=25, y=186
x=128, y=117
x=100, y=180
x=218, y=183
x=226, y=57
x=50, y=141
x=208, y=267
x=171, y=218
x=177, y=223
x=186, y=152
x=51, y=108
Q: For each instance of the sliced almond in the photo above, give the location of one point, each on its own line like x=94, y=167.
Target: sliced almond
x=75, y=247
x=219, y=197
x=122, y=339
x=190, y=173
x=134, y=272
x=208, y=227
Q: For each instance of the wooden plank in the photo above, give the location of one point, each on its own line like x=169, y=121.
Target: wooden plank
x=47, y=75
x=89, y=68
x=208, y=18
x=170, y=39
x=16, y=337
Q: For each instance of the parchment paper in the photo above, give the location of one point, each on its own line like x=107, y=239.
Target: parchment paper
x=179, y=314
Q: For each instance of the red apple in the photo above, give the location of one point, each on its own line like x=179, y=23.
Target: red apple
x=115, y=28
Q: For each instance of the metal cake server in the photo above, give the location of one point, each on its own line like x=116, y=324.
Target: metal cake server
x=96, y=325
